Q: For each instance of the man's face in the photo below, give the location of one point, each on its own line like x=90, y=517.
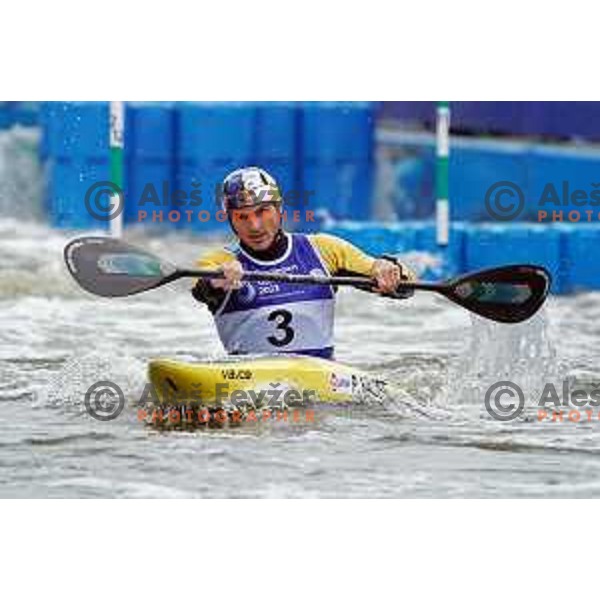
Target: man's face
x=257, y=226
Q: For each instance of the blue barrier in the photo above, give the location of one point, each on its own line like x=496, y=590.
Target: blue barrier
x=177, y=144
x=149, y=190
x=412, y=241
x=343, y=190
x=75, y=130
x=579, y=244
x=26, y=114
x=276, y=131
x=213, y=139
x=336, y=153
x=565, y=181
x=211, y=132
x=337, y=131
x=422, y=113
x=76, y=142
x=275, y=150
x=483, y=117
x=434, y=262
x=556, y=119
x=564, y=250
x=375, y=238
x=407, y=178
x=492, y=245
x=203, y=212
x=5, y=117
x=475, y=167
x=68, y=184
x=149, y=149
x=150, y=130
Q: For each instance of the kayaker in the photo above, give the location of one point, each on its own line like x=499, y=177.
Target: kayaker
x=268, y=317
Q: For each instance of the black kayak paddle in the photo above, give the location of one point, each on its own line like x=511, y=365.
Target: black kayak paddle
x=112, y=268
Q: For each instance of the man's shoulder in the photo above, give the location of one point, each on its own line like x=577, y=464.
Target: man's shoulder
x=217, y=256
x=325, y=240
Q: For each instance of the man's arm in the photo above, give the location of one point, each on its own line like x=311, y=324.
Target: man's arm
x=343, y=258
x=203, y=290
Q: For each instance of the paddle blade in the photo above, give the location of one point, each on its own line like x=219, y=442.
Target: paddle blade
x=508, y=294
x=109, y=267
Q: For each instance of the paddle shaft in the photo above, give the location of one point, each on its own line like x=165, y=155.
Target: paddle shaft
x=111, y=268
x=306, y=279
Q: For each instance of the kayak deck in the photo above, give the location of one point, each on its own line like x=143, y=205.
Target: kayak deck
x=272, y=380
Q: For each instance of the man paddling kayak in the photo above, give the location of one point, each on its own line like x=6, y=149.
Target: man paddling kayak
x=268, y=317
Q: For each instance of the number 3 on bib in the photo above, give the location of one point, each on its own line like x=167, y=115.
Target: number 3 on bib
x=285, y=334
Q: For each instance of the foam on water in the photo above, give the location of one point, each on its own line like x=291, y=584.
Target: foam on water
x=522, y=353
x=21, y=174
x=436, y=439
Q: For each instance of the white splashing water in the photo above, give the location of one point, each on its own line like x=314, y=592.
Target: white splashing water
x=520, y=353
x=21, y=174
x=68, y=386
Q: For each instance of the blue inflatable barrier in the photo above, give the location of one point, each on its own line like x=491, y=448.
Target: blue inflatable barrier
x=554, y=119
x=211, y=132
x=579, y=243
x=418, y=113
x=492, y=245
x=336, y=153
x=212, y=140
x=343, y=190
x=149, y=191
x=564, y=250
x=26, y=114
x=413, y=183
x=414, y=242
x=149, y=173
x=434, y=262
x=475, y=168
x=276, y=131
x=276, y=139
x=171, y=145
x=5, y=120
x=202, y=211
x=68, y=185
x=76, y=130
x=337, y=131
x=374, y=238
x=150, y=130
x=564, y=183
x=485, y=117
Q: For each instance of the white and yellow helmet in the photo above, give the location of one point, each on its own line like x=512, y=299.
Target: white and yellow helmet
x=249, y=186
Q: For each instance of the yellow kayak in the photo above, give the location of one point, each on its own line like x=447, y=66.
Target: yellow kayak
x=274, y=380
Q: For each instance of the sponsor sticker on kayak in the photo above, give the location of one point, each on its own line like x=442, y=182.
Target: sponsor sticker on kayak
x=243, y=374
x=340, y=383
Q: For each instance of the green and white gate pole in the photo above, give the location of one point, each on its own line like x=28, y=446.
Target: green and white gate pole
x=117, y=129
x=442, y=147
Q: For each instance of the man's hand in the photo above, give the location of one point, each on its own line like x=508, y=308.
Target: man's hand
x=388, y=275
x=233, y=277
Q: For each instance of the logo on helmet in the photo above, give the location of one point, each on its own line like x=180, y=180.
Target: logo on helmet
x=249, y=186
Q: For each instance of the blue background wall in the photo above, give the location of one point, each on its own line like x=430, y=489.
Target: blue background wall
x=321, y=151
x=328, y=151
